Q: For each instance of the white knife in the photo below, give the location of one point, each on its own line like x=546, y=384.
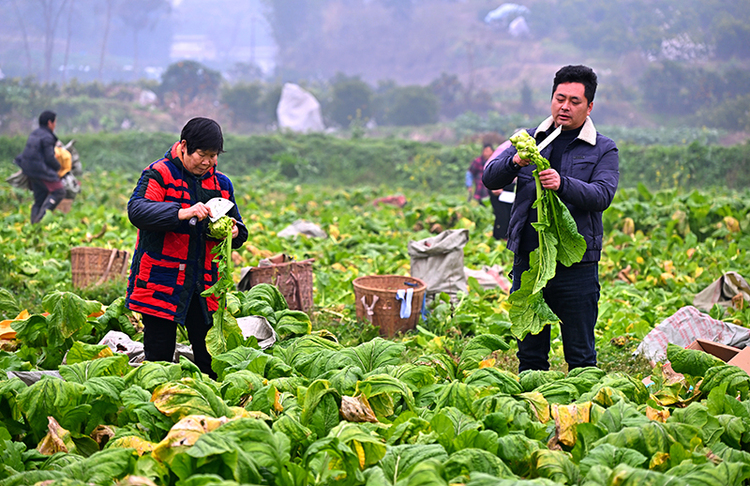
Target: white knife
x=219, y=207
x=550, y=138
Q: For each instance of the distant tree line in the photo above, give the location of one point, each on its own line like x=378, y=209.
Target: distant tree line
x=346, y=101
x=697, y=96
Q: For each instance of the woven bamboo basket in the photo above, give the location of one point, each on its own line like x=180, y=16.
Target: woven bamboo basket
x=375, y=297
x=94, y=266
x=293, y=279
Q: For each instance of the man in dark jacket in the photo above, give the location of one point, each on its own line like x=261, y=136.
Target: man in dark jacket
x=584, y=172
x=38, y=163
x=172, y=263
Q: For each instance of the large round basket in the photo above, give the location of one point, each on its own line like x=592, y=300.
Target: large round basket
x=93, y=266
x=376, y=301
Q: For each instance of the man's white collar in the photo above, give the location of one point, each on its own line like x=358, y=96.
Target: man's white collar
x=588, y=132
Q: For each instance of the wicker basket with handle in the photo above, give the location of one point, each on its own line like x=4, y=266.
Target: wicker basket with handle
x=94, y=266
x=293, y=279
x=376, y=301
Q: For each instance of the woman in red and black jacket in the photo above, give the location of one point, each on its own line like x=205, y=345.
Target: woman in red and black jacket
x=172, y=263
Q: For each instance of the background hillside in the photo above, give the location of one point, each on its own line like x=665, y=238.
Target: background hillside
x=116, y=64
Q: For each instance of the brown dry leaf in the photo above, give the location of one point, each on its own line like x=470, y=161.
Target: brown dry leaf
x=56, y=440
x=102, y=433
x=357, y=409
x=738, y=301
x=136, y=481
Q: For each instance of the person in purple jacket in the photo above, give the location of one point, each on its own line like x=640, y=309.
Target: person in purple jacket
x=584, y=172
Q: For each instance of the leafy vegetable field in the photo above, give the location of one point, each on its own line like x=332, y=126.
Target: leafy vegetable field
x=331, y=403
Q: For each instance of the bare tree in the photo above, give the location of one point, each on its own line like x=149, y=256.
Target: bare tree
x=141, y=15
x=107, y=23
x=67, y=40
x=25, y=36
x=51, y=11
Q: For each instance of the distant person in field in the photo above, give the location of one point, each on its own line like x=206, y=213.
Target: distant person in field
x=474, y=184
x=38, y=163
x=172, y=263
x=501, y=200
x=584, y=172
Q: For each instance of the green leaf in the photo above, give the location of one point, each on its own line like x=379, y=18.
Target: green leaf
x=149, y=375
x=517, y=450
x=8, y=302
x=479, y=348
x=469, y=461
x=374, y=354
x=189, y=397
x=610, y=456
x=399, y=461
x=555, y=465
x=691, y=361
x=82, y=371
x=240, y=358
x=292, y=323
x=48, y=397
x=224, y=335
x=529, y=313
x=240, y=384
x=504, y=381
x=320, y=408
x=68, y=312
x=380, y=390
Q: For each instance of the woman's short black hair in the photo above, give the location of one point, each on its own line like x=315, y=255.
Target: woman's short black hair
x=203, y=134
x=46, y=117
x=577, y=74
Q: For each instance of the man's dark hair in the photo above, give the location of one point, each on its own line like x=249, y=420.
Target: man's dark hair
x=487, y=144
x=203, y=134
x=577, y=74
x=46, y=117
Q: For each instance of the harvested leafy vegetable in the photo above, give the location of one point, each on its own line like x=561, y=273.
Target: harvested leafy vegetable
x=691, y=361
x=559, y=240
x=218, y=229
x=225, y=334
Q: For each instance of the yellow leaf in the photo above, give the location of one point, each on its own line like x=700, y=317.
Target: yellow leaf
x=140, y=445
x=487, y=363
x=659, y=461
x=658, y=415
x=732, y=224
x=333, y=230
x=185, y=433
x=639, y=260
x=566, y=418
x=277, y=406
x=360, y=453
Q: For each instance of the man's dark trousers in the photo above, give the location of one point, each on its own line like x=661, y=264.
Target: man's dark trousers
x=573, y=294
x=47, y=195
